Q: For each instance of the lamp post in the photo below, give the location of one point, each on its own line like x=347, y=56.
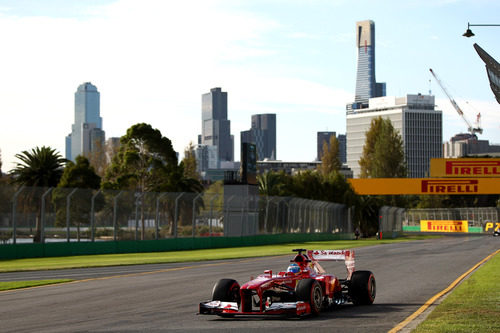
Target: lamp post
x=468, y=33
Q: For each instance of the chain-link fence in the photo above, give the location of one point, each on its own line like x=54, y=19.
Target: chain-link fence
x=392, y=220
x=30, y=214
x=476, y=216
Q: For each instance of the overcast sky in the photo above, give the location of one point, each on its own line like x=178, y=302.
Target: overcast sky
x=152, y=60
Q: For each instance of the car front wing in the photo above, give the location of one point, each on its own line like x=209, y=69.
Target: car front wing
x=278, y=308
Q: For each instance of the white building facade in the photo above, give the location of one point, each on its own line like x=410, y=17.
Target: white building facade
x=416, y=119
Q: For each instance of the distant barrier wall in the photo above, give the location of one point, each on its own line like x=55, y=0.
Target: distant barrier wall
x=38, y=250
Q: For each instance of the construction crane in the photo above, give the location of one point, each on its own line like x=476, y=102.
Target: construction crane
x=472, y=130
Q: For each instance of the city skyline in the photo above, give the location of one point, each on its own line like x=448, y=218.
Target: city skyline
x=297, y=60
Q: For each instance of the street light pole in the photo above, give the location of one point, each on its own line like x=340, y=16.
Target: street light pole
x=468, y=33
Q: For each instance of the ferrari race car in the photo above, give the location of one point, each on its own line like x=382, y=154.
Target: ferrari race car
x=303, y=289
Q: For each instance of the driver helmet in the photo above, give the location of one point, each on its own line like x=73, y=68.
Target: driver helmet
x=293, y=268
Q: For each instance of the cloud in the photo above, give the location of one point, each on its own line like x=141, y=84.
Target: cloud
x=151, y=61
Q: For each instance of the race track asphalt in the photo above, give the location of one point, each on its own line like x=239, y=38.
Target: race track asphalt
x=164, y=298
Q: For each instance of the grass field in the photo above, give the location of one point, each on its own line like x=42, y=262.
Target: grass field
x=28, y=284
x=186, y=256
x=474, y=306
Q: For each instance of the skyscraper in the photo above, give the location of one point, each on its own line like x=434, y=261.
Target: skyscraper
x=323, y=137
x=86, y=132
x=215, y=127
x=416, y=120
x=366, y=86
x=263, y=135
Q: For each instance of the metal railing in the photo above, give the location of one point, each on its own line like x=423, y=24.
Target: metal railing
x=74, y=214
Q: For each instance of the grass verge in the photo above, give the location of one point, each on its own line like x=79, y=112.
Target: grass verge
x=29, y=284
x=186, y=256
x=472, y=307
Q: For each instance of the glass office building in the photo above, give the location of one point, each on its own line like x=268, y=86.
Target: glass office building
x=263, y=134
x=413, y=116
x=215, y=127
x=86, y=132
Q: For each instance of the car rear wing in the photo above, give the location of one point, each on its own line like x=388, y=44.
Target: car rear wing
x=335, y=255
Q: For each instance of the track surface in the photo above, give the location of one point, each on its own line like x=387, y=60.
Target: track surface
x=158, y=298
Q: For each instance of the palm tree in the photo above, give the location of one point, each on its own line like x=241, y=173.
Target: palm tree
x=40, y=167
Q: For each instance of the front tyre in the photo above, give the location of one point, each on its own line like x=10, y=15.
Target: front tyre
x=362, y=288
x=309, y=290
x=226, y=290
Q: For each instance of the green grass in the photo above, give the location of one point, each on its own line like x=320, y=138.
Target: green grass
x=185, y=256
x=28, y=284
x=474, y=306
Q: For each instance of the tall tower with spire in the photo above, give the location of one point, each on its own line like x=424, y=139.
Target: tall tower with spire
x=366, y=85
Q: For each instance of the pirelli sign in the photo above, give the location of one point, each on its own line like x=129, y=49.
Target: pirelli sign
x=465, y=167
x=432, y=186
x=444, y=226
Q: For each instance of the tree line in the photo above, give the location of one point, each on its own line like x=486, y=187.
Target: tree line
x=146, y=162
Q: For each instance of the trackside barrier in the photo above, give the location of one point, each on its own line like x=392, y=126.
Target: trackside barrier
x=39, y=250
x=391, y=222
x=477, y=217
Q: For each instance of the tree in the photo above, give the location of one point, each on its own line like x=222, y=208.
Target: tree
x=97, y=157
x=78, y=176
x=147, y=162
x=40, y=167
x=189, y=162
x=0, y=163
x=383, y=153
x=273, y=183
x=330, y=160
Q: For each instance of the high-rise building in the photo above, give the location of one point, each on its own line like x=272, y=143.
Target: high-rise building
x=413, y=116
x=323, y=137
x=86, y=132
x=215, y=127
x=342, y=147
x=206, y=158
x=263, y=135
x=366, y=85
x=466, y=144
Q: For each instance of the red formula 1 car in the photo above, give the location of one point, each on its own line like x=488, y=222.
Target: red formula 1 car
x=304, y=289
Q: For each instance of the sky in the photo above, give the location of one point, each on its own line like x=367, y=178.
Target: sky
x=152, y=60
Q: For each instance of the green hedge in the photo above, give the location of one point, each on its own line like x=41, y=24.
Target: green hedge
x=60, y=249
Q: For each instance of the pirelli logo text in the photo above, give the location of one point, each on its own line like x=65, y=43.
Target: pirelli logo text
x=466, y=186
x=444, y=226
x=472, y=168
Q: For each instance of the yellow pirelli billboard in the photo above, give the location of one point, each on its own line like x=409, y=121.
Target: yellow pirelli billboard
x=432, y=186
x=444, y=226
x=465, y=167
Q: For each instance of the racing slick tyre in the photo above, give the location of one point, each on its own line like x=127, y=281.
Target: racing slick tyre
x=362, y=288
x=226, y=290
x=309, y=290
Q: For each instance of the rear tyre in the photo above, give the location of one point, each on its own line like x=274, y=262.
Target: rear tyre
x=362, y=288
x=226, y=290
x=309, y=290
